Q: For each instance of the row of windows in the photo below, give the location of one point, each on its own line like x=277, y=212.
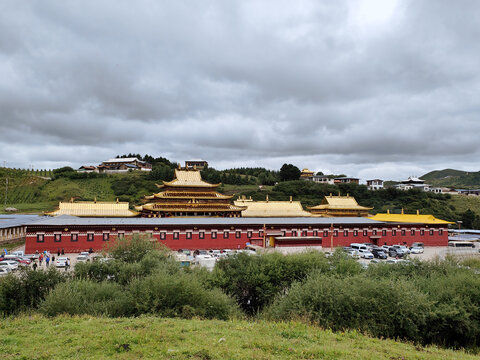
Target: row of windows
x=238, y=234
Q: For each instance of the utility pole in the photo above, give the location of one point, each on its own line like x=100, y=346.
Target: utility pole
x=6, y=191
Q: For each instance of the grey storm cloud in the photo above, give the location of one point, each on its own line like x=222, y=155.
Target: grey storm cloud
x=380, y=88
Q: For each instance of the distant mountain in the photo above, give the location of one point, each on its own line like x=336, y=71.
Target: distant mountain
x=453, y=178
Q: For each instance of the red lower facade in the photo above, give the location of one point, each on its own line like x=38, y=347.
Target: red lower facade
x=78, y=238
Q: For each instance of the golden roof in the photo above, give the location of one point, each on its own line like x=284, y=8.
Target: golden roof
x=272, y=208
x=188, y=178
x=339, y=202
x=189, y=207
x=94, y=209
x=409, y=218
x=189, y=195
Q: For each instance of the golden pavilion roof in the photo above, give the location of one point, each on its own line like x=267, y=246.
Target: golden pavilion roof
x=169, y=194
x=188, y=178
x=94, y=209
x=272, y=208
x=340, y=203
x=409, y=218
x=189, y=207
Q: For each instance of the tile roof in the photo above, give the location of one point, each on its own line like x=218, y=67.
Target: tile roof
x=272, y=208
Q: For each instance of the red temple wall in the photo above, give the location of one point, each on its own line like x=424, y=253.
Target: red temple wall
x=247, y=234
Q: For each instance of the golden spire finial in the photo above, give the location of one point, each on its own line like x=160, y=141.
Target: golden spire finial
x=267, y=198
x=290, y=198
x=388, y=211
x=402, y=211
x=418, y=212
x=117, y=200
x=95, y=199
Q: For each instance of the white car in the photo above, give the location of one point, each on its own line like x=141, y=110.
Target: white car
x=402, y=248
x=62, y=262
x=353, y=253
x=4, y=271
x=366, y=254
x=416, y=250
x=83, y=258
x=12, y=265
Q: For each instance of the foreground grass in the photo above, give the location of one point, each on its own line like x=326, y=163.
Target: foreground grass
x=36, y=337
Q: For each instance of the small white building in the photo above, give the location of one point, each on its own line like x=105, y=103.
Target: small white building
x=375, y=184
x=319, y=179
x=413, y=183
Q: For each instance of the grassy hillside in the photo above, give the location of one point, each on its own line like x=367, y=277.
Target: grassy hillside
x=453, y=178
x=85, y=337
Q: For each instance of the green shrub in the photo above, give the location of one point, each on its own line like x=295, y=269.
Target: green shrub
x=179, y=295
x=86, y=297
x=255, y=280
x=381, y=307
x=133, y=248
x=26, y=289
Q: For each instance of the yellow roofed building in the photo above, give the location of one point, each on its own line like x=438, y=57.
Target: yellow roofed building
x=94, y=209
x=333, y=206
x=271, y=208
x=409, y=218
x=188, y=195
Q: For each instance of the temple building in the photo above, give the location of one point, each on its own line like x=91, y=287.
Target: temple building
x=409, y=218
x=269, y=208
x=333, y=206
x=188, y=195
x=93, y=209
x=305, y=174
x=413, y=183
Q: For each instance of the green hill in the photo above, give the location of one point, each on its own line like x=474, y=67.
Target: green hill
x=86, y=337
x=453, y=178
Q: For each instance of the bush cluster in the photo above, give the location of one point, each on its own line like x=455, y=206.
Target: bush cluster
x=434, y=302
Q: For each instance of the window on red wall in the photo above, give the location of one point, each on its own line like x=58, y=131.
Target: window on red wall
x=374, y=232
x=121, y=235
x=238, y=234
x=201, y=235
x=294, y=233
x=394, y=232
x=304, y=233
x=189, y=234
x=335, y=233
x=260, y=233
x=249, y=234
x=345, y=233
x=365, y=232
x=106, y=236
x=431, y=232
x=57, y=238
x=163, y=235
x=355, y=232
x=315, y=233
x=422, y=232
x=214, y=235
x=384, y=232
x=412, y=232
x=325, y=233
x=440, y=232
x=74, y=237
x=176, y=235
x=90, y=236
x=40, y=238
x=404, y=232
x=226, y=234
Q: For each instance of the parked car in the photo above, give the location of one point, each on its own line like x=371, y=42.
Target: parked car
x=62, y=262
x=379, y=253
x=12, y=265
x=392, y=252
x=416, y=250
x=353, y=253
x=86, y=253
x=83, y=258
x=386, y=248
x=403, y=248
x=418, y=244
x=365, y=254
x=4, y=271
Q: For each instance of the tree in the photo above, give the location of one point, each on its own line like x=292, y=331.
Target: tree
x=289, y=172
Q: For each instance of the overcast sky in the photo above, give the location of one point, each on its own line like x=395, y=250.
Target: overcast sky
x=376, y=88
